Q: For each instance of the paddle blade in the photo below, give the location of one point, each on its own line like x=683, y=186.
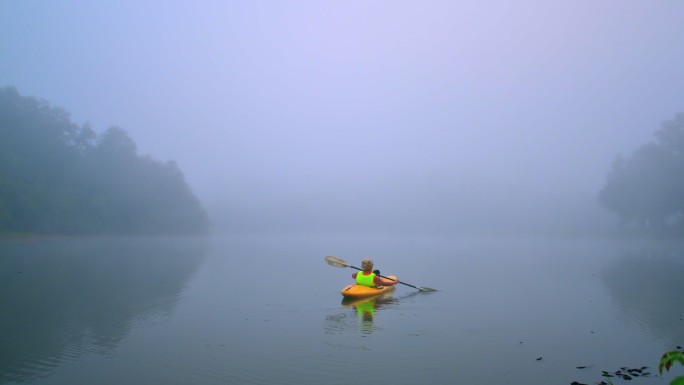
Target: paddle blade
x=336, y=261
x=426, y=289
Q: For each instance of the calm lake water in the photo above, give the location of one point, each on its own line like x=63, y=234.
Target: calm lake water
x=267, y=310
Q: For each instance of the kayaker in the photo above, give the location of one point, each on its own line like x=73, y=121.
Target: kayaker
x=371, y=278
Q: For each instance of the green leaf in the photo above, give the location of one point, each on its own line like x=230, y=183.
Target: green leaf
x=678, y=381
x=668, y=359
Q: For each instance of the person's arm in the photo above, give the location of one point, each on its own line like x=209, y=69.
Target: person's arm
x=354, y=275
x=384, y=282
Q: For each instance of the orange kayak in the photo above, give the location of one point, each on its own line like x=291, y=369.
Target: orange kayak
x=359, y=291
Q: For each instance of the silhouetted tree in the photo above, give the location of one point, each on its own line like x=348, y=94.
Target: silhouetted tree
x=648, y=187
x=57, y=177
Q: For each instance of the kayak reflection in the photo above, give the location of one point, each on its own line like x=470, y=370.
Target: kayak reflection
x=366, y=308
x=360, y=313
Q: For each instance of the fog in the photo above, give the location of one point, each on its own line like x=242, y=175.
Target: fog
x=365, y=116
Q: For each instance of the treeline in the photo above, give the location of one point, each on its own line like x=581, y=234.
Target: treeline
x=60, y=178
x=647, y=188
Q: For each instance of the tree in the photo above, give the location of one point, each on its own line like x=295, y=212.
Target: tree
x=57, y=177
x=648, y=187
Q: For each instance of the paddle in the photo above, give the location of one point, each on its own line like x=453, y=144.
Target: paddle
x=339, y=262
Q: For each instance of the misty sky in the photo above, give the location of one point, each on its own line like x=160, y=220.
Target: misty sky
x=411, y=110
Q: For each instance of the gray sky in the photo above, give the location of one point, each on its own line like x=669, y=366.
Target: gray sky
x=399, y=111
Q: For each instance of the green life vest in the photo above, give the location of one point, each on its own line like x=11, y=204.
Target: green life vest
x=365, y=280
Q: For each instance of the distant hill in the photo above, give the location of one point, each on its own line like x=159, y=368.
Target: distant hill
x=59, y=178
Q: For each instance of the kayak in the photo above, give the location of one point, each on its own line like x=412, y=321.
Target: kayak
x=360, y=291
x=382, y=298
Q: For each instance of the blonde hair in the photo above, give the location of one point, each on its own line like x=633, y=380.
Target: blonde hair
x=367, y=264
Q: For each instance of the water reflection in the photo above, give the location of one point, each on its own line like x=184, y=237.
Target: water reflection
x=366, y=309
x=62, y=298
x=361, y=314
x=647, y=288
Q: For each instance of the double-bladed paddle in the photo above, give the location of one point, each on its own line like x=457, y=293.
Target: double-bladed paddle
x=339, y=262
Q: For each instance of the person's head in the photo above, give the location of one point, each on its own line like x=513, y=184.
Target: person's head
x=367, y=264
